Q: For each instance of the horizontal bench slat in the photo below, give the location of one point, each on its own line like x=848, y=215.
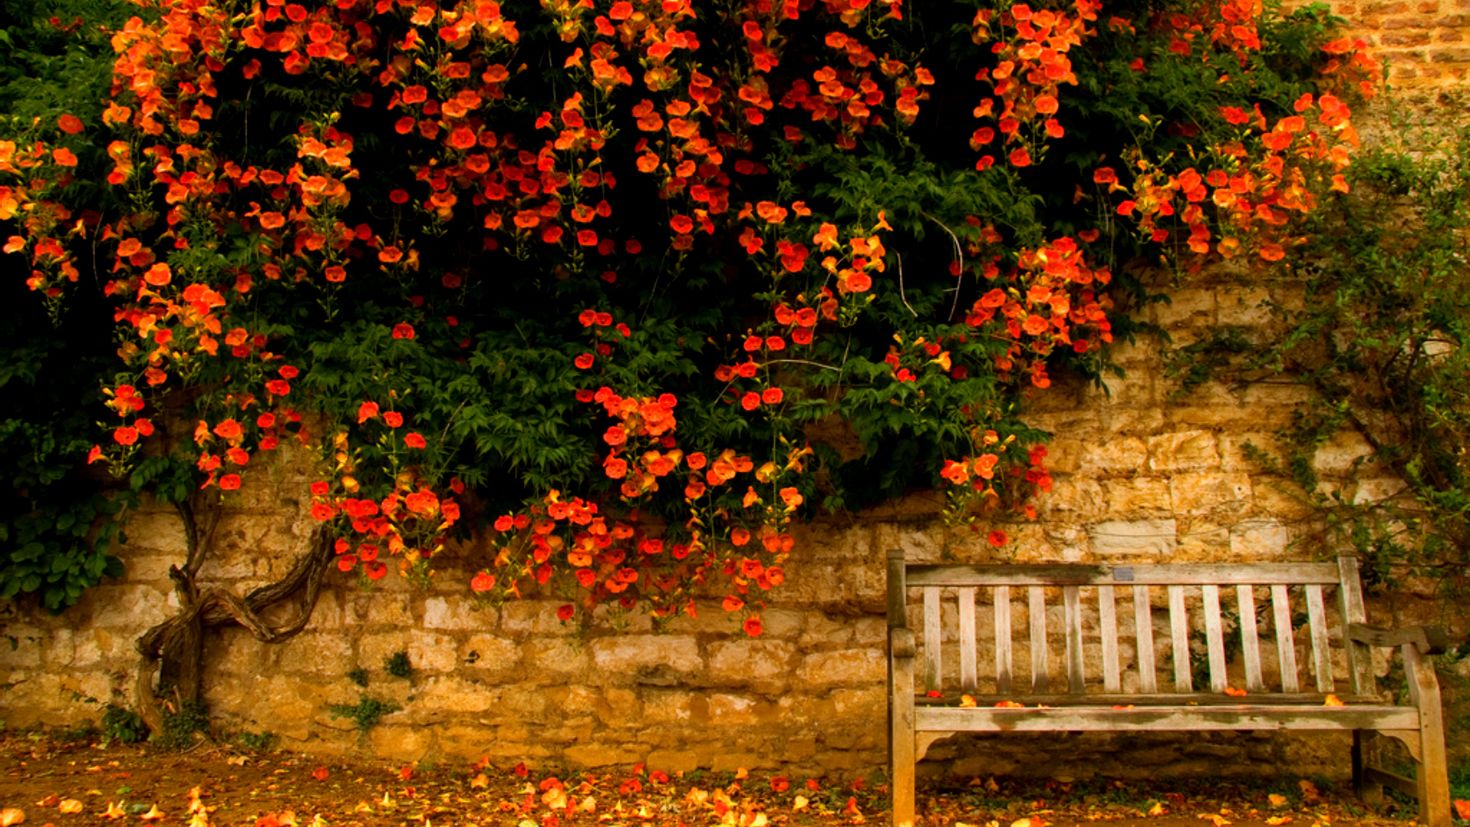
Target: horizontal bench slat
x=1078, y=575
x=1158, y=699
x=1164, y=718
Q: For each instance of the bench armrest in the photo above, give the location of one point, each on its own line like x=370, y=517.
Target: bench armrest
x=1429, y=640
x=901, y=643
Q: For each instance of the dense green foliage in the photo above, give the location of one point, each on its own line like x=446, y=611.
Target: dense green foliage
x=630, y=285
x=1382, y=344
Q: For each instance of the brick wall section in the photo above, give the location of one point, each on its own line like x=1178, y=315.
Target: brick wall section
x=1425, y=43
x=1143, y=473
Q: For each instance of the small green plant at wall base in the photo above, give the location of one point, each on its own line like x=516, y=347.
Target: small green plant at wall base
x=358, y=676
x=365, y=714
x=122, y=725
x=257, y=741
x=183, y=727
x=398, y=665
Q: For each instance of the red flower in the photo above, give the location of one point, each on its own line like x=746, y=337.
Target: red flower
x=482, y=582
x=393, y=419
x=70, y=124
x=403, y=330
x=320, y=488
x=94, y=454
x=366, y=411
x=583, y=361
x=752, y=626
x=229, y=482
x=125, y=435
x=565, y=611
x=415, y=440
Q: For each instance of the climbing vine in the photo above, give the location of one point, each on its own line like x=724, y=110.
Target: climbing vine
x=631, y=286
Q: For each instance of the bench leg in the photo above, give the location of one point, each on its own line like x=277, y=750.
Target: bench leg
x=901, y=758
x=1431, y=773
x=1366, y=751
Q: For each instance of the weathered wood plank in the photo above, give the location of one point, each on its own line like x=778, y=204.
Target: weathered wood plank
x=1040, y=656
x=1004, y=664
x=1163, y=718
x=1158, y=575
x=933, y=637
x=1072, y=611
x=901, y=731
x=1317, y=625
x=1167, y=699
x=1285, y=640
x=966, y=597
x=1107, y=621
x=1214, y=636
x=1179, y=640
x=1359, y=655
x=1143, y=630
x=1250, y=638
x=897, y=590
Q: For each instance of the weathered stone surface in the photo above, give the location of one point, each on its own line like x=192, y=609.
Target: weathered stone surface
x=1156, y=538
x=1183, y=451
x=1136, y=496
x=646, y=658
x=457, y=614
x=1259, y=540
x=740, y=662
x=1209, y=492
x=844, y=667
x=492, y=657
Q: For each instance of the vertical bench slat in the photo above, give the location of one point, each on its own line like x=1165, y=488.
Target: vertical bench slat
x=1317, y=621
x=1107, y=618
x=1360, y=656
x=932, y=638
x=1040, y=669
x=1250, y=640
x=1214, y=637
x=1285, y=646
x=1072, y=605
x=1143, y=631
x=967, y=638
x=1179, y=639
x=1003, y=664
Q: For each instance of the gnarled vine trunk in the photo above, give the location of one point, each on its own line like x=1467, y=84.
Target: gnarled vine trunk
x=172, y=652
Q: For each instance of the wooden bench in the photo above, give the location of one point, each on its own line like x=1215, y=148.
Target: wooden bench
x=1099, y=670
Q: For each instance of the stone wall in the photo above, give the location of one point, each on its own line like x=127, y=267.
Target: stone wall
x=1144, y=472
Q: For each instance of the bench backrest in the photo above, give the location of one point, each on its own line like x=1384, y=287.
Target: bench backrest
x=969, y=607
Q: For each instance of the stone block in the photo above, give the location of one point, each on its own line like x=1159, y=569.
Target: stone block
x=1072, y=498
x=844, y=667
x=742, y=662
x=1183, y=451
x=431, y=652
x=490, y=657
x=1341, y=453
x=446, y=694
x=734, y=711
x=1209, y=492
x=533, y=617
x=1151, y=538
x=674, y=761
x=555, y=658
x=650, y=659
x=1113, y=456
x=310, y=653
x=460, y=614
x=669, y=706
x=1259, y=540
x=1136, y=496
x=597, y=755
x=401, y=743
x=380, y=608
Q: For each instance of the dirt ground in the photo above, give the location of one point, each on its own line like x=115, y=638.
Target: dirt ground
x=48, y=780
